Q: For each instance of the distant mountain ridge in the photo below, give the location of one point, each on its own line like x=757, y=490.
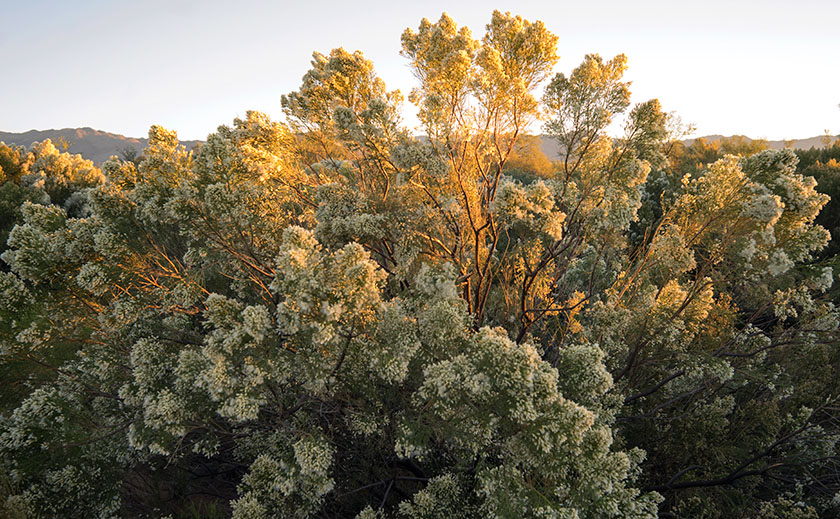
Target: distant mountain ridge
x=552, y=149
x=95, y=145
x=799, y=144
x=99, y=146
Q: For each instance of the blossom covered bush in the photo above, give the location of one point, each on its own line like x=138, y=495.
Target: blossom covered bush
x=327, y=317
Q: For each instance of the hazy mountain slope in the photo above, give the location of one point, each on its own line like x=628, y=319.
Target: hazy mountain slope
x=802, y=144
x=99, y=146
x=552, y=149
x=91, y=144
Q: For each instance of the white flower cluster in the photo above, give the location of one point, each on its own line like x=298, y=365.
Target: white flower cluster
x=521, y=389
x=765, y=208
x=344, y=216
x=530, y=207
x=442, y=498
x=236, y=368
x=295, y=483
x=325, y=300
x=13, y=292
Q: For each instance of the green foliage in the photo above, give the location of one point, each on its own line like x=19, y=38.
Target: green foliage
x=328, y=318
x=823, y=155
x=701, y=152
x=42, y=175
x=827, y=176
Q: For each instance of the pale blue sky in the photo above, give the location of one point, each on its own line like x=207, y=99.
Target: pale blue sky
x=762, y=68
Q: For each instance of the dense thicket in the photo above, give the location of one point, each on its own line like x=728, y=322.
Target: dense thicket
x=327, y=317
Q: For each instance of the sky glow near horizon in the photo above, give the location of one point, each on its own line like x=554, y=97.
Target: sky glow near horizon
x=766, y=69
